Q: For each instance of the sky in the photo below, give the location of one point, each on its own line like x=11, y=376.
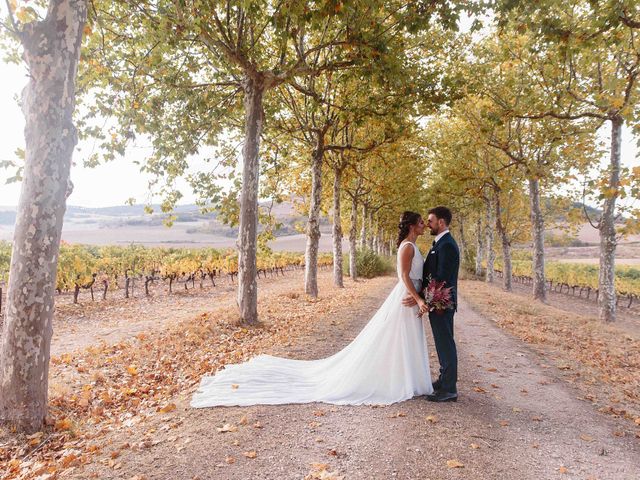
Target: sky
x=115, y=182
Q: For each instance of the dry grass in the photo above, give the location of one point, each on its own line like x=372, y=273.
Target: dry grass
x=602, y=360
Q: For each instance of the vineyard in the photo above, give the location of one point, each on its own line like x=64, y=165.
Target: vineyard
x=110, y=268
x=580, y=279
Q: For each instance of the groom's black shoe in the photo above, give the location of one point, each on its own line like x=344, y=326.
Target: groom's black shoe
x=437, y=385
x=440, y=396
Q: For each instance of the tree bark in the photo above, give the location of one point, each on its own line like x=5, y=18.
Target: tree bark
x=607, y=228
x=353, y=234
x=507, y=271
x=254, y=88
x=537, y=233
x=464, y=250
x=374, y=240
x=479, y=247
x=338, y=279
x=491, y=254
x=313, y=223
x=52, y=52
x=363, y=230
x=371, y=231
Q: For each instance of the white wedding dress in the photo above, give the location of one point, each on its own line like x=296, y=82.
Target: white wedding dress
x=386, y=363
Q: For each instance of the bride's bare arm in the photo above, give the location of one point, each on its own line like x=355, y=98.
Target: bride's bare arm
x=406, y=256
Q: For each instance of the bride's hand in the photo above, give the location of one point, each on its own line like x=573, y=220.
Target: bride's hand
x=409, y=301
x=422, y=306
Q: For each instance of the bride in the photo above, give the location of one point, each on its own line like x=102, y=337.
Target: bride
x=386, y=363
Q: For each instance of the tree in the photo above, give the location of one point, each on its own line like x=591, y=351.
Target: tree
x=51, y=51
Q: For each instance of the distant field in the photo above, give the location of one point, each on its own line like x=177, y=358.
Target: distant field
x=176, y=236
x=594, y=261
x=586, y=233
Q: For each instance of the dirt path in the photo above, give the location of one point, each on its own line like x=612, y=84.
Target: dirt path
x=516, y=419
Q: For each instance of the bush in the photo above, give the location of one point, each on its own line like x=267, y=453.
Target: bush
x=369, y=264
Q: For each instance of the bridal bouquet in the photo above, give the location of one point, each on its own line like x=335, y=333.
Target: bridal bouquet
x=437, y=296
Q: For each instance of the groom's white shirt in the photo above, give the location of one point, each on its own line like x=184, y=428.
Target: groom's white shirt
x=440, y=235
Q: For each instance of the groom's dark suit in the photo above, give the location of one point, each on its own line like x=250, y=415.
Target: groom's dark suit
x=442, y=263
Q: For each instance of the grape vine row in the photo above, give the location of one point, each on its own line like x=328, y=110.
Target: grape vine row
x=107, y=268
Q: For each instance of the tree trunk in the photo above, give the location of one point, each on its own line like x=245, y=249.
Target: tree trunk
x=51, y=51
x=491, y=254
x=537, y=233
x=374, y=241
x=606, y=280
x=479, y=247
x=464, y=250
x=507, y=270
x=353, y=271
x=371, y=231
x=363, y=230
x=248, y=233
x=313, y=223
x=338, y=279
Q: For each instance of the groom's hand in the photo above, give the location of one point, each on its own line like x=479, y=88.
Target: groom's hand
x=409, y=301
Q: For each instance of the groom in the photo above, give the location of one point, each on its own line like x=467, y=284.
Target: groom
x=442, y=264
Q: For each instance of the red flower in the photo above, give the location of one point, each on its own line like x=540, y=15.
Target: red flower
x=437, y=296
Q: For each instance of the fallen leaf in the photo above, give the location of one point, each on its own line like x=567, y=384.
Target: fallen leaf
x=132, y=370
x=479, y=390
x=431, y=419
x=229, y=459
x=243, y=420
x=563, y=470
x=235, y=386
x=250, y=454
x=475, y=446
x=67, y=460
x=586, y=438
x=168, y=408
x=64, y=424
x=504, y=423
x=454, y=464
x=227, y=427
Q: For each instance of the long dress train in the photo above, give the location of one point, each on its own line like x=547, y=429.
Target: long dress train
x=386, y=363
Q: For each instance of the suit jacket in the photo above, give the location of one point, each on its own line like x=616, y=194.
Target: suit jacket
x=442, y=263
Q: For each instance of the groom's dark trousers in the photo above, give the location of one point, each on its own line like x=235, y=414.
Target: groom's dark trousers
x=442, y=264
x=442, y=328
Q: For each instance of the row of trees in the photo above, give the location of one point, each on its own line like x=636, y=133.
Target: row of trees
x=326, y=81
x=542, y=90
x=383, y=99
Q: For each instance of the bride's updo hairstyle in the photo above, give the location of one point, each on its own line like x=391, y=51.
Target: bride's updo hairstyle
x=406, y=220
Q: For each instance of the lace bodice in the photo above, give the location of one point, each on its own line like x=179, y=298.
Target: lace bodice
x=416, y=264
